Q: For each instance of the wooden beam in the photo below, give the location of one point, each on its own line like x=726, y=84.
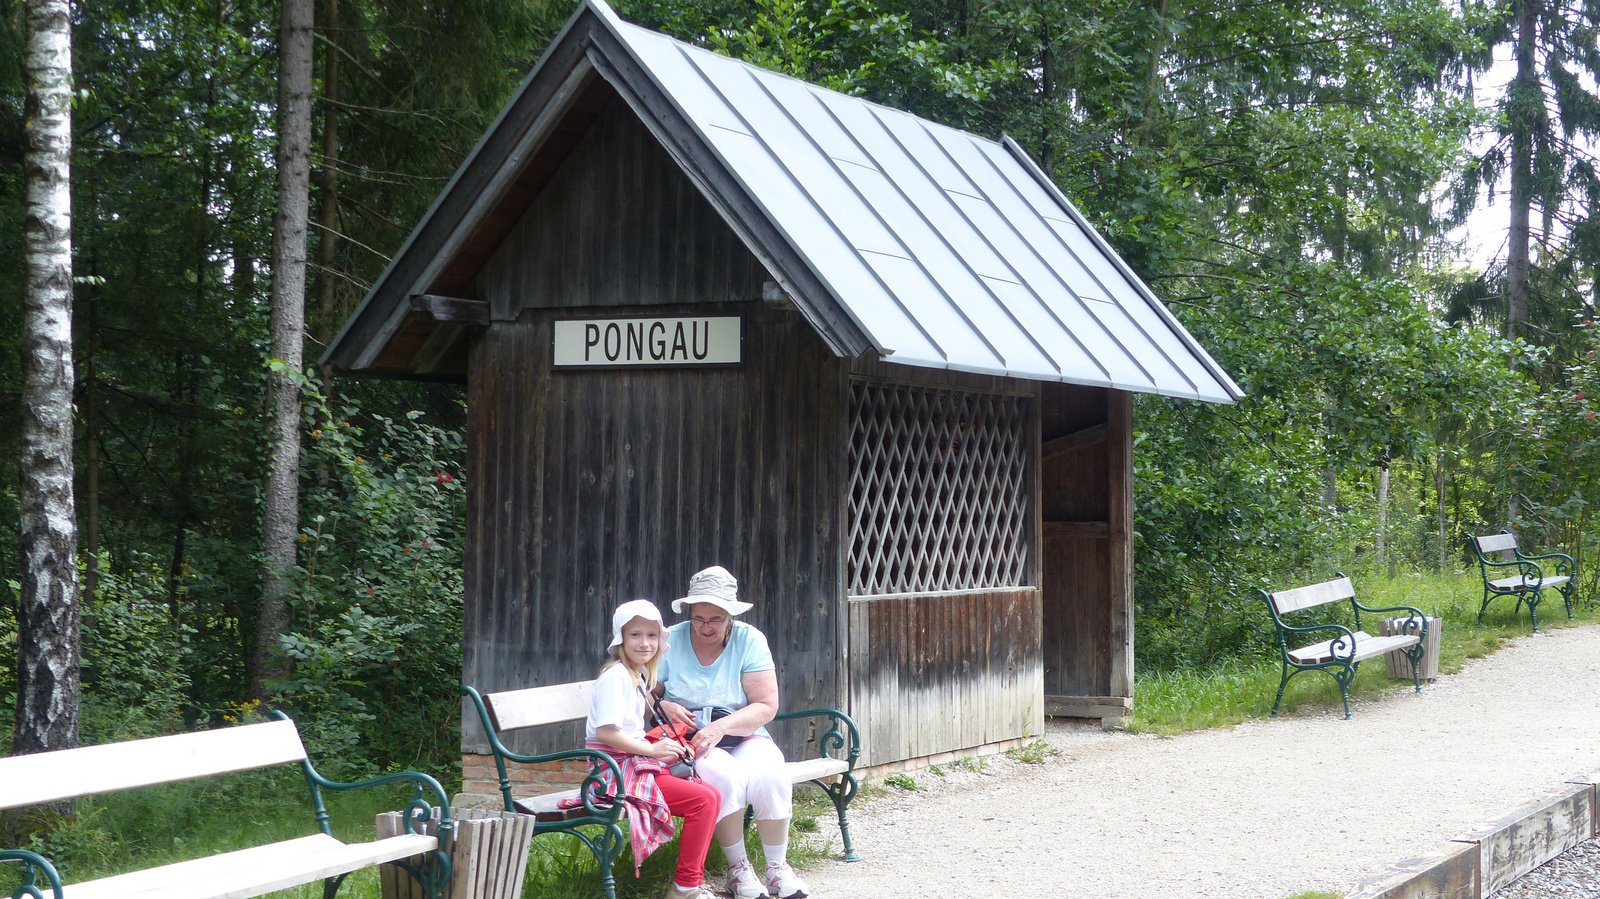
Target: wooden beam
x=1081, y=529
x=451, y=309
x=1077, y=440
x=1088, y=706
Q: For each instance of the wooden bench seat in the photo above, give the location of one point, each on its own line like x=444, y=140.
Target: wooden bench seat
x=1529, y=579
x=1367, y=647
x=1341, y=654
x=50, y=777
x=560, y=806
x=832, y=771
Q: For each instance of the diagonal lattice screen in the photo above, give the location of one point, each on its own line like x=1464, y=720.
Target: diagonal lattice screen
x=938, y=490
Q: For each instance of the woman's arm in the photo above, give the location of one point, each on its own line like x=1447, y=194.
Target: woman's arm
x=761, y=695
x=667, y=750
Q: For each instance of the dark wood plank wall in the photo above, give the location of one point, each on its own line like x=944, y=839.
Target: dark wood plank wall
x=590, y=488
x=944, y=672
x=1078, y=598
x=618, y=225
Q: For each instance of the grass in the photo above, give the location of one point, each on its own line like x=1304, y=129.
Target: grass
x=1237, y=690
x=1036, y=752
x=904, y=782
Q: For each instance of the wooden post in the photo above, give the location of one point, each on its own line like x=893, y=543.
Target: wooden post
x=1119, y=477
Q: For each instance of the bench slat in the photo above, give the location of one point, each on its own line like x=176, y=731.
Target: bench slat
x=1367, y=646
x=516, y=709
x=1495, y=543
x=255, y=871
x=1286, y=601
x=71, y=773
x=1518, y=582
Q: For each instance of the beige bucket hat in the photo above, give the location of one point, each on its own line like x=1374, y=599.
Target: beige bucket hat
x=716, y=586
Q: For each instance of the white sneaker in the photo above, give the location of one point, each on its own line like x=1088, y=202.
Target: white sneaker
x=699, y=892
x=743, y=882
x=784, y=883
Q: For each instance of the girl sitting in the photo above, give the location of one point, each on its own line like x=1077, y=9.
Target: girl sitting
x=616, y=726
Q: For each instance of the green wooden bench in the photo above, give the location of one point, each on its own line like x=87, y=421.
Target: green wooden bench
x=564, y=812
x=1526, y=577
x=53, y=777
x=1341, y=654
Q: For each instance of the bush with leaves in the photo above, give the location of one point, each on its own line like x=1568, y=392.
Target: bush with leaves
x=374, y=649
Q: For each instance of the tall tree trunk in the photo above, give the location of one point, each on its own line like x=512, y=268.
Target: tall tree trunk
x=1153, y=86
x=1381, y=544
x=1438, y=487
x=48, y=616
x=91, y=443
x=1527, y=104
x=328, y=199
x=281, y=504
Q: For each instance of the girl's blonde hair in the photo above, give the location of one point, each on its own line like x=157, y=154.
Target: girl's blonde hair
x=649, y=667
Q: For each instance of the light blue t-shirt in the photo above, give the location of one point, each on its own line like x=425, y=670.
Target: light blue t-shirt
x=694, y=686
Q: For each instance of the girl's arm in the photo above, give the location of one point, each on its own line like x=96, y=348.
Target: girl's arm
x=667, y=750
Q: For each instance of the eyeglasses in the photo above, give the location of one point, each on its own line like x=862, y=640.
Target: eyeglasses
x=708, y=622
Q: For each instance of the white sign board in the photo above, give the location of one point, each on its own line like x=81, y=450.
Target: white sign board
x=642, y=342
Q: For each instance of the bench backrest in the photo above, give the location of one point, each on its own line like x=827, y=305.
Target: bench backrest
x=1496, y=543
x=71, y=773
x=516, y=709
x=1286, y=601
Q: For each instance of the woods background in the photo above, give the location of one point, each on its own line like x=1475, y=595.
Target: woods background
x=1286, y=175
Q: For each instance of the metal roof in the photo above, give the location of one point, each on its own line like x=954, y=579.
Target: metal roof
x=948, y=250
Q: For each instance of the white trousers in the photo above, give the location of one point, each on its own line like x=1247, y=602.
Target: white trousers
x=749, y=774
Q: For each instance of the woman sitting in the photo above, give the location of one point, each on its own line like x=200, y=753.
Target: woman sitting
x=715, y=662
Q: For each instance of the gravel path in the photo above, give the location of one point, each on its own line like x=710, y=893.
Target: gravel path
x=1263, y=810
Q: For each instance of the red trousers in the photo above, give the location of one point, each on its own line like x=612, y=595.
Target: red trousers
x=697, y=803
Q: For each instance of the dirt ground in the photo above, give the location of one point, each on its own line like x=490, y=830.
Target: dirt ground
x=1264, y=810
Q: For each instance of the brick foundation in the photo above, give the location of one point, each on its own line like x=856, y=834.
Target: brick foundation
x=478, y=776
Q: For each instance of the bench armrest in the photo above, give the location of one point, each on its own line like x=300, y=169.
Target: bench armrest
x=417, y=809
x=1564, y=563
x=1415, y=623
x=841, y=735
x=31, y=864
x=592, y=790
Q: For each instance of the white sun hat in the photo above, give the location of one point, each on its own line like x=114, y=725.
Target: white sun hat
x=716, y=586
x=636, y=608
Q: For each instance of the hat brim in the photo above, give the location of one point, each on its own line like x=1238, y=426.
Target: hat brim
x=731, y=606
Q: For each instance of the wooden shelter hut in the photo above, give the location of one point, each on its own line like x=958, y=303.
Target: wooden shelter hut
x=879, y=368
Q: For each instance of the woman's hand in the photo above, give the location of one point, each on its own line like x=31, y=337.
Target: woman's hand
x=677, y=713
x=709, y=736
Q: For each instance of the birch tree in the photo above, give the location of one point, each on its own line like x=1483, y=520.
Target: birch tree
x=281, y=503
x=48, y=618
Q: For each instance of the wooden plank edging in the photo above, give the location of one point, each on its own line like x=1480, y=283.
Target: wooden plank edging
x=1490, y=857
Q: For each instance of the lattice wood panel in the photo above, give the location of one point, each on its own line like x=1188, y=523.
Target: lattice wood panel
x=938, y=490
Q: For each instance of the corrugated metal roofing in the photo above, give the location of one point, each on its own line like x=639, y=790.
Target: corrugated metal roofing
x=948, y=250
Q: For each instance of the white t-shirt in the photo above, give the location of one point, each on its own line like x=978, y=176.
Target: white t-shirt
x=616, y=700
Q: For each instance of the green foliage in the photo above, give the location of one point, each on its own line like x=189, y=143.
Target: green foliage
x=375, y=647
x=975, y=764
x=1034, y=752
x=904, y=781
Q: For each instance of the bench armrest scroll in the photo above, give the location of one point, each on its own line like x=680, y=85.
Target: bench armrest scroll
x=417, y=810
x=32, y=864
x=596, y=801
x=842, y=735
x=1414, y=623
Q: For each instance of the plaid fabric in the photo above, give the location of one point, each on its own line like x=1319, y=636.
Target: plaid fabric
x=649, y=820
